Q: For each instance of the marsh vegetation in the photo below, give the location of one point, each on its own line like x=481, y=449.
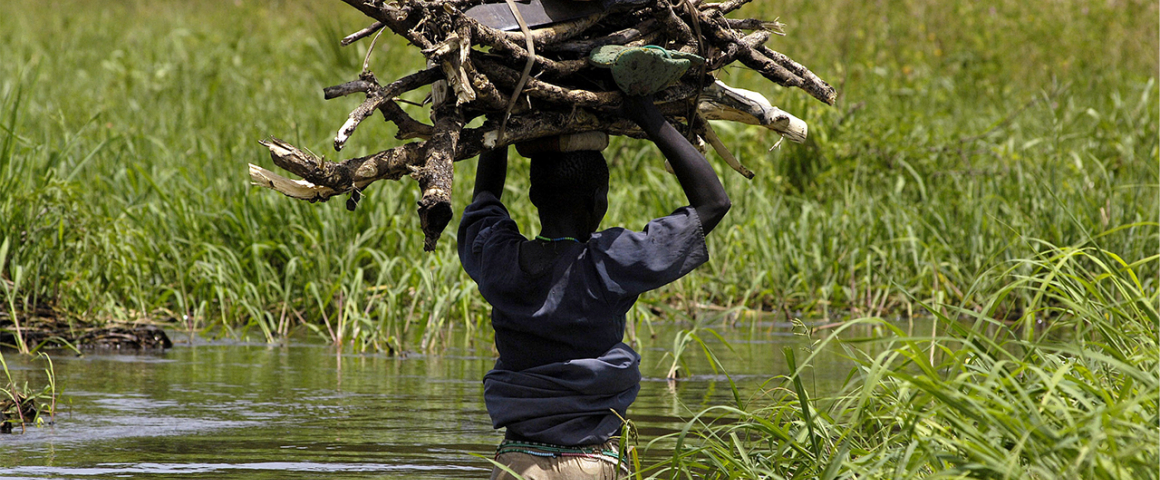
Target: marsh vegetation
x=993, y=165
x=965, y=138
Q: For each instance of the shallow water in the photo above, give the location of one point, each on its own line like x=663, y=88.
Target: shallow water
x=240, y=410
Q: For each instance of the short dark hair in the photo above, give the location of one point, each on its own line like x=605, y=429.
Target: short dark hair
x=561, y=179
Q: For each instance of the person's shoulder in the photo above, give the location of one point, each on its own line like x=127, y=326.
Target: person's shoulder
x=600, y=240
x=681, y=222
x=675, y=237
x=633, y=262
x=484, y=200
x=484, y=206
x=484, y=219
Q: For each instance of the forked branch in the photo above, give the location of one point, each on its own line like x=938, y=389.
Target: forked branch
x=474, y=71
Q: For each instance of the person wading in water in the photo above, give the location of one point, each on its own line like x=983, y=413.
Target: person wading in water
x=564, y=378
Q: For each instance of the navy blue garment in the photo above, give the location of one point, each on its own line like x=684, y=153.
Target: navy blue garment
x=573, y=310
x=564, y=403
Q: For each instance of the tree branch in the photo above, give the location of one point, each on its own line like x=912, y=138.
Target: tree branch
x=563, y=94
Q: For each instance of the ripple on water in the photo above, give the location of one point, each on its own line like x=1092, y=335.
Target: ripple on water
x=226, y=468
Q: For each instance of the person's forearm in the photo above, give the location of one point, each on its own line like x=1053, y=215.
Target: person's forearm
x=490, y=172
x=698, y=180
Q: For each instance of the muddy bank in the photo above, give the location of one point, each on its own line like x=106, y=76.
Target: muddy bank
x=42, y=327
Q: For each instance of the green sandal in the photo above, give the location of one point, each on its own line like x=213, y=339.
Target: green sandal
x=643, y=70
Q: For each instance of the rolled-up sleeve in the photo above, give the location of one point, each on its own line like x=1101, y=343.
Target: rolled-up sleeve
x=668, y=248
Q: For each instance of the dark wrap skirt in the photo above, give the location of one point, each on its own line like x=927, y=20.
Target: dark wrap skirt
x=565, y=403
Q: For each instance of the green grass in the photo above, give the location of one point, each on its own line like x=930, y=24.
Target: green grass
x=992, y=164
x=1069, y=390
x=961, y=131
x=22, y=406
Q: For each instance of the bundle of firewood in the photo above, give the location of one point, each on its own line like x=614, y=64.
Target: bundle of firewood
x=530, y=83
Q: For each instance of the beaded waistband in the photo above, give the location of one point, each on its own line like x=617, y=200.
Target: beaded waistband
x=606, y=452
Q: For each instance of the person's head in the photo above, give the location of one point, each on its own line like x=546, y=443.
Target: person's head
x=570, y=183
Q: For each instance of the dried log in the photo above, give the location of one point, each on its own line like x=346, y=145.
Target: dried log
x=381, y=98
x=451, y=54
x=300, y=189
x=326, y=179
x=730, y=52
x=620, y=37
x=323, y=179
x=436, y=176
x=408, y=127
x=506, y=77
x=563, y=93
x=676, y=26
x=722, y=102
x=400, y=19
x=509, y=44
x=812, y=84
x=726, y=6
x=361, y=34
x=706, y=132
x=772, y=26
x=543, y=37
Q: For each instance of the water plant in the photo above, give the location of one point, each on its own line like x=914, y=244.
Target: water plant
x=1069, y=389
x=24, y=405
x=10, y=296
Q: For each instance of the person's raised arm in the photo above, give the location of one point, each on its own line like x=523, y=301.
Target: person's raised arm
x=702, y=187
x=490, y=172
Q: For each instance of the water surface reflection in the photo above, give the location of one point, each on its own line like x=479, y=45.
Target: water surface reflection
x=243, y=410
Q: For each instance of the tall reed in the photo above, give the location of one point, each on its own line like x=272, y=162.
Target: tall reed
x=1068, y=390
x=960, y=128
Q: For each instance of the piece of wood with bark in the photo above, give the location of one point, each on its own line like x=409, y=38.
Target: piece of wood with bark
x=563, y=95
x=435, y=178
